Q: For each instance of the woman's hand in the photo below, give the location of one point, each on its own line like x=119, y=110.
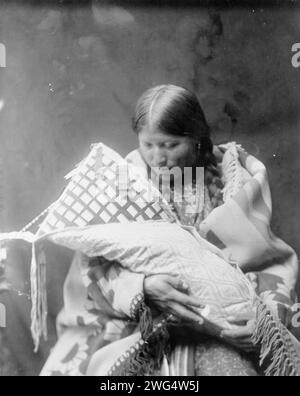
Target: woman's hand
x=170, y=295
x=241, y=338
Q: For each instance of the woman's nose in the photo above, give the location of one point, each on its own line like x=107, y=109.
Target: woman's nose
x=161, y=164
x=159, y=160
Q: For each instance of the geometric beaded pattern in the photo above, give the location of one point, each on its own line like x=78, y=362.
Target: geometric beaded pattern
x=93, y=196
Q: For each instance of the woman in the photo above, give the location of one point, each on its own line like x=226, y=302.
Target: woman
x=172, y=132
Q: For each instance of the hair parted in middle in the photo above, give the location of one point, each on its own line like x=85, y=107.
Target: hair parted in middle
x=176, y=111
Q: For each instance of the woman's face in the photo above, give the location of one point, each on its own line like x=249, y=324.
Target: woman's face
x=161, y=150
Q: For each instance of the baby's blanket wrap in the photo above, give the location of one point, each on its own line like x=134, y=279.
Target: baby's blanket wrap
x=237, y=233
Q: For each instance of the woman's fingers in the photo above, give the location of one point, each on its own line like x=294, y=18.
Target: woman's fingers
x=241, y=332
x=185, y=299
x=245, y=342
x=236, y=333
x=241, y=337
x=246, y=345
x=178, y=283
x=241, y=318
x=185, y=314
x=171, y=295
x=172, y=319
x=179, y=294
x=181, y=285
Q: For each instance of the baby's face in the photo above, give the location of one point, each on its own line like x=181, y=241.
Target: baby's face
x=161, y=150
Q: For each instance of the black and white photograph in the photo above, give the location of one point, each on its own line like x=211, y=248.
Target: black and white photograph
x=149, y=186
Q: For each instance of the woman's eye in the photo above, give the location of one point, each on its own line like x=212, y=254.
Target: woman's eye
x=148, y=145
x=171, y=145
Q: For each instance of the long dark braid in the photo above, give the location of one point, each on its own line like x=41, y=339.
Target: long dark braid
x=212, y=177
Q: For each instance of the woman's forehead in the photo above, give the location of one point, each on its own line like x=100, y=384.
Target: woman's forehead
x=157, y=136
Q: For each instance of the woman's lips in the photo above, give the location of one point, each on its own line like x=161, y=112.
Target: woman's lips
x=162, y=171
x=163, y=168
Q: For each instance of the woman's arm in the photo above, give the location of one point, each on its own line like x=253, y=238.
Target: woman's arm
x=124, y=291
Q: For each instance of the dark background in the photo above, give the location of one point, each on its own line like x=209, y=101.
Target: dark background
x=74, y=72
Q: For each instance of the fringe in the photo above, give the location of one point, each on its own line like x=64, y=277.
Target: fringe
x=38, y=296
x=43, y=293
x=277, y=350
x=146, y=321
x=140, y=312
x=232, y=172
x=145, y=356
